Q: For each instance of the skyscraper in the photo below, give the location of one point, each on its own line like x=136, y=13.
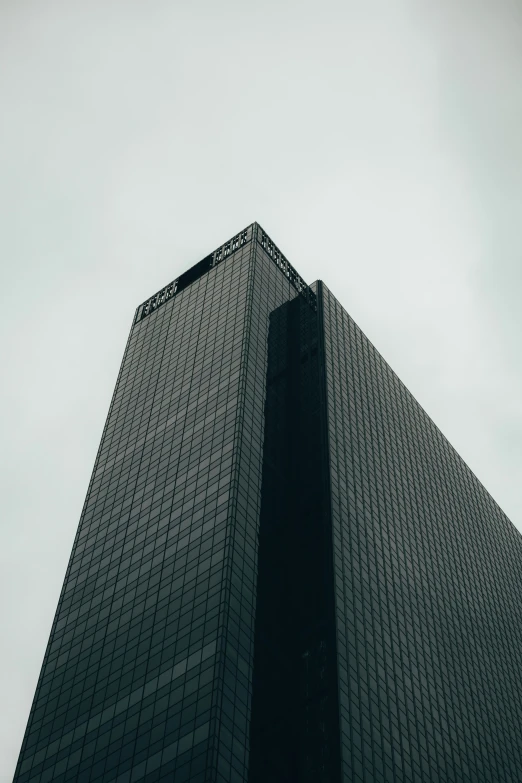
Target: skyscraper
x=282, y=571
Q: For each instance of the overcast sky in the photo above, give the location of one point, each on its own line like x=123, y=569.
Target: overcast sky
x=378, y=143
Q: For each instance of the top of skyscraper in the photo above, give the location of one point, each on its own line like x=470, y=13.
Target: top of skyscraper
x=253, y=232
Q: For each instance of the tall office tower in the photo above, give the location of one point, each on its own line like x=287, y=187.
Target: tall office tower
x=283, y=571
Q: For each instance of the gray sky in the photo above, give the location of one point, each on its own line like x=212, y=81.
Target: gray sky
x=378, y=143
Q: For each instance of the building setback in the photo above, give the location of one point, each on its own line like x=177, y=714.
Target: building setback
x=283, y=571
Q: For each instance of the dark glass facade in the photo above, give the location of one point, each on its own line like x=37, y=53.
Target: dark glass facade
x=428, y=585
x=283, y=571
